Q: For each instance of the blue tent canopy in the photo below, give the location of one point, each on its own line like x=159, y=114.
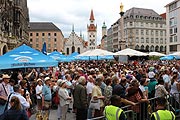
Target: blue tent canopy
x=25, y=56
x=58, y=56
x=168, y=57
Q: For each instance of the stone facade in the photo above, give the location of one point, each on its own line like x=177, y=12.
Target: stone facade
x=14, y=22
x=173, y=26
x=144, y=30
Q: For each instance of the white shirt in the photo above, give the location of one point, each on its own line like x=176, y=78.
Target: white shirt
x=89, y=87
x=38, y=90
x=22, y=100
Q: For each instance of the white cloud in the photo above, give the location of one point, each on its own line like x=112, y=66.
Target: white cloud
x=65, y=13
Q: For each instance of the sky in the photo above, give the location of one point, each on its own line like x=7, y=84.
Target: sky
x=66, y=13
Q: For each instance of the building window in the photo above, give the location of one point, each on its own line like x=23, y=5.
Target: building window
x=161, y=40
x=171, y=31
x=137, y=32
x=55, y=40
x=49, y=45
x=147, y=40
x=173, y=48
x=142, y=32
x=147, y=32
x=142, y=40
x=156, y=33
x=55, y=45
x=43, y=34
x=171, y=39
x=48, y=50
x=157, y=40
x=161, y=33
x=55, y=34
x=137, y=40
x=175, y=30
x=78, y=50
x=49, y=34
x=152, y=32
x=31, y=34
x=142, y=24
x=73, y=49
x=37, y=34
x=152, y=40
x=175, y=38
x=67, y=51
x=131, y=24
x=31, y=40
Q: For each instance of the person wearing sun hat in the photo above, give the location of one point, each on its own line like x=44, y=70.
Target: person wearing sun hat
x=4, y=90
x=39, y=93
x=65, y=99
x=46, y=96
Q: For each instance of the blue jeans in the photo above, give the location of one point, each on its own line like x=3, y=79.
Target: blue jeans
x=2, y=107
x=90, y=110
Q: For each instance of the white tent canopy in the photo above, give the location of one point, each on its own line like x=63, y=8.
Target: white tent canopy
x=131, y=52
x=176, y=53
x=97, y=52
x=156, y=54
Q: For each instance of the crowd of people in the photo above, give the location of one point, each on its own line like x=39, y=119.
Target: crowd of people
x=87, y=88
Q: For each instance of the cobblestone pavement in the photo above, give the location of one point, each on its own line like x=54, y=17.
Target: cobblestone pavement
x=53, y=116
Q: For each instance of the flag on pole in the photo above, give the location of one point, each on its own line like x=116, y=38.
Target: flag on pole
x=44, y=51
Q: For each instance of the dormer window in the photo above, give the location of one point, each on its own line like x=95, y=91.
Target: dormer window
x=137, y=16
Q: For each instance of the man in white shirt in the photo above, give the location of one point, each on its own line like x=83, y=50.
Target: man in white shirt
x=25, y=102
x=89, y=87
x=39, y=93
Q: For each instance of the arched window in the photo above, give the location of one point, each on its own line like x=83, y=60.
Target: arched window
x=137, y=47
x=152, y=48
x=78, y=50
x=157, y=48
x=67, y=51
x=147, y=48
x=161, y=48
x=73, y=49
x=142, y=47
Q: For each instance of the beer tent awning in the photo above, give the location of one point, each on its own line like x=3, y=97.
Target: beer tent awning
x=25, y=57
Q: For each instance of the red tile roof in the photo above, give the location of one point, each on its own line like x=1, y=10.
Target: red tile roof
x=163, y=15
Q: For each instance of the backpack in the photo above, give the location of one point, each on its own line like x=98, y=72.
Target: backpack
x=56, y=99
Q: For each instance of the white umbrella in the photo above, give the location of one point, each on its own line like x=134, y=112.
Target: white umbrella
x=131, y=52
x=97, y=52
x=156, y=54
x=176, y=53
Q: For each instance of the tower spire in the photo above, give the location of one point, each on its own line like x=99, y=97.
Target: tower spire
x=92, y=16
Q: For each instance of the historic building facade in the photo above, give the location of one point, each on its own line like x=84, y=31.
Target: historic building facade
x=173, y=26
x=144, y=30
x=14, y=22
x=92, y=32
x=74, y=43
x=40, y=32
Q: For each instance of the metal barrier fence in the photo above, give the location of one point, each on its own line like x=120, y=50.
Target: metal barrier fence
x=147, y=109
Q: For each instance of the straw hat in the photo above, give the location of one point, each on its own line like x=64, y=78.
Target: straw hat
x=6, y=76
x=46, y=79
